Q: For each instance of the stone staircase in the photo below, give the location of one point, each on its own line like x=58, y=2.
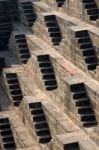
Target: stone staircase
x=5, y=31
x=14, y=88
x=23, y=49
x=53, y=29
x=91, y=9
x=27, y=12
x=41, y=125
x=53, y=88
x=83, y=104
x=88, y=50
x=47, y=72
x=6, y=134
x=20, y=45
x=6, y=26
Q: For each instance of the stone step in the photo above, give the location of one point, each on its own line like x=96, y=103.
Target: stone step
x=41, y=58
x=83, y=40
x=53, y=29
x=4, y=121
x=39, y=118
x=89, y=117
x=72, y=146
x=4, y=126
x=47, y=70
x=41, y=125
x=91, y=11
x=56, y=39
x=12, y=81
x=77, y=87
x=92, y=66
x=80, y=95
x=79, y=91
x=22, y=46
x=51, y=88
x=7, y=139
x=16, y=92
x=26, y=56
x=49, y=18
x=19, y=36
x=45, y=64
x=91, y=59
x=60, y=4
x=88, y=1
x=82, y=103
x=51, y=24
x=27, y=6
x=20, y=41
x=37, y=111
x=35, y=105
x=13, y=87
x=30, y=15
x=17, y=97
x=45, y=140
x=25, y=3
x=11, y=75
x=93, y=17
x=90, y=5
x=85, y=45
x=55, y=34
x=16, y=103
x=27, y=11
x=9, y=146
x=89, y=52
x=80, y=34
x=81, y=99
x=50, y=82
x=48, y=76
x=90, y=124
x=44, y=132
x=22, y=51
x=85, y=110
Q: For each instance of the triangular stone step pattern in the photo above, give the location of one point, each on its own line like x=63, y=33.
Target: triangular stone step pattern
x=86, y=47
x=41, y=125
x=91, y=9
x=83, y=104
x=14, y=88
x=27, y=12
x=22, y=48
x=53, y=29
x=7, y=134
x=60, y=3
x=47, y=72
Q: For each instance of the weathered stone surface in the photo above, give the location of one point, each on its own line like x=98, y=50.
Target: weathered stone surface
x=65, y=23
